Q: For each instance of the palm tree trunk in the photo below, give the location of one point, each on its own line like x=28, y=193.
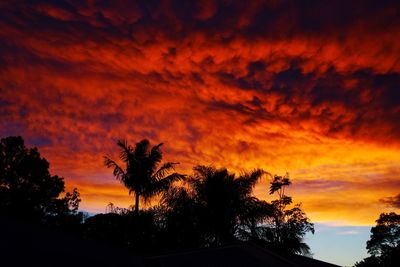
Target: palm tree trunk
x=136, y=203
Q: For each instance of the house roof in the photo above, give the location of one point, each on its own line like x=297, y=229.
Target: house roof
x=241, y=254
x=23, y=244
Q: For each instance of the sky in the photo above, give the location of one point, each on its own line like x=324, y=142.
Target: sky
x=305, y=87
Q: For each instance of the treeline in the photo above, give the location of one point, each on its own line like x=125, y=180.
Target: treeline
x=28, y=191
x=384, y=244
x=210, y=207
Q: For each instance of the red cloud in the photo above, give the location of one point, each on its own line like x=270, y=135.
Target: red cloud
x=278, y=85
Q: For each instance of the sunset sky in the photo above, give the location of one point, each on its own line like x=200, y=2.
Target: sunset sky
x=306, y=87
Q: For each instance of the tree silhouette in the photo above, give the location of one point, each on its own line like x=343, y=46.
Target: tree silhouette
x=385, y=236
x=142, y=174
x=287, y=227
x=27, y=189
x=384, y=244
x=252, y=218
x=211, y=208
x=220, y=200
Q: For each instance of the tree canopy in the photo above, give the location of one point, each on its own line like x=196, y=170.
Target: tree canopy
x=384, y=243
x=223, y=198
x=220, y=205
x=27, y=189
x=210, y=207
x=142, y=173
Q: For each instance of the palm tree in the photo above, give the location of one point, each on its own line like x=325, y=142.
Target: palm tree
x=224, y=197
x=142, y=174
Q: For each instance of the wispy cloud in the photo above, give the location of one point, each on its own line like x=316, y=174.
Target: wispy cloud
x=392, y=201
x=350, y=232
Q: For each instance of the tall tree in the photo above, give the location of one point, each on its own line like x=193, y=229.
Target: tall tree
x=224, y=199
x=385, y=236
x=27, y=188
x=384, y=244
x=143, y=173
x=287, y=227
x=181, y=219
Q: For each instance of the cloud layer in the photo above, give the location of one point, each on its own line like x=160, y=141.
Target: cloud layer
x=310, y=87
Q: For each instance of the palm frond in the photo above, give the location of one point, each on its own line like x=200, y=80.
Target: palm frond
x=166, y=182
x=126, y=150
x=247, y=181
x=175, y=196
x=155, y=153
x=303, y=249
x=202, y=172
x=118, y=172
x=164, y=169
x=276, y=184
x=154, y=158
x=142, y=149
x=163, y=184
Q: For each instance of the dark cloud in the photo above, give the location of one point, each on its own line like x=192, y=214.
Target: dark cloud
x=225, y=82
x=339, y=98
x=322, y=184
x=392, y=201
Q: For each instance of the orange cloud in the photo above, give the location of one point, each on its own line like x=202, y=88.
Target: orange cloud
x=243, y=85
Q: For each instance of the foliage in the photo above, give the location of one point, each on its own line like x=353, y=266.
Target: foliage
x=209, y=208
x=27, y=189
x=223, y=198
x=180, y=219
x=252, y=220
x=143, y=174
x=371, y=261
x=384, y=243
x=111, y=208
x=385, y=236
x=286, y=228
x=139, y=232
x=216, y=207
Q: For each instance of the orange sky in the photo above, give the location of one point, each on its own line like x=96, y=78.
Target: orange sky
x=310, y=90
